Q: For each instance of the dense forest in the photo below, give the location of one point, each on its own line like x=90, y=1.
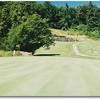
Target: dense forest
x=27, y=24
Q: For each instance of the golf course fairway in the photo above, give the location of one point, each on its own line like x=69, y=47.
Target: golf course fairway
x=47, y=75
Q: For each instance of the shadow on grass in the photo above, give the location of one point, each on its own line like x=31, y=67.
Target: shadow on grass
x=46, y=54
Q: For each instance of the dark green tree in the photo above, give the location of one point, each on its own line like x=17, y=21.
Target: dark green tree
x=30, y=35
x=92, y=18
x=82, y=14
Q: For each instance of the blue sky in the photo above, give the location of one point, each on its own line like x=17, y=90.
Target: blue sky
x=72, y=3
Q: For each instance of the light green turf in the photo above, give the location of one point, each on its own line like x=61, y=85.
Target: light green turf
x=61, y=75
x=49, y=76
x=90, y=47
x=59, y=49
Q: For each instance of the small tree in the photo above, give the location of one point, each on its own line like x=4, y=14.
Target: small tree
x=30, y=35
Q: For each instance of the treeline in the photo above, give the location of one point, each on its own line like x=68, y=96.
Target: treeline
x=84, y=18
x=26, y=23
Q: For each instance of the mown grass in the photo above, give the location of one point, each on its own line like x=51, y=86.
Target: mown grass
x=44, y=75
x=90, y=47
x=59, y=49
x=86, y=46
x=49, y=76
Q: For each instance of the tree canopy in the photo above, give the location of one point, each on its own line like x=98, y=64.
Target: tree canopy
x=27, y=23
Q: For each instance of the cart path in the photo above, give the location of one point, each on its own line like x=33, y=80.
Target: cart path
x=75, y=48
x=77, y=51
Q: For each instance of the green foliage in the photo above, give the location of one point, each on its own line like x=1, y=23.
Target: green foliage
x=75, y=32
x=82, y=14
x=92, y=22
x=4, y=21
x=13, y=38
x=66, y=17
x=30, y=35
x=21, y=24
x=82, y=27
x=50, y=12
x=78, y=30
x=94, y=34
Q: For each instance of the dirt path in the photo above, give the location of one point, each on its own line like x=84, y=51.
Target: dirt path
x=75, y=48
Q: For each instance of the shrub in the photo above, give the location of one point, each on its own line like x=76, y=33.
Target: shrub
x=82, y=27
x=8, y=53
x=94, y=35
x=2, y=53
x=5, y=53
x=75, y=32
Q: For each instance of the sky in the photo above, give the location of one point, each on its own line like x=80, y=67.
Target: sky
x=72, y=3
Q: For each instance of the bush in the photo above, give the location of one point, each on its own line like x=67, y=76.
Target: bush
x=2, y=53
x=82, y=27
x=79, y=30
x=75, y=32
x=94, y=35
x=5, y=53
x=8, y=53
